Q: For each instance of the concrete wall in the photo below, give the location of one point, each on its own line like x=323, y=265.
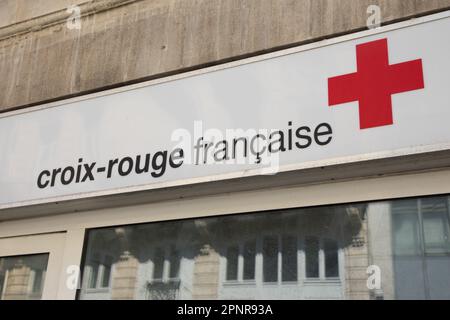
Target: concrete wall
x=130, y=40
x=14, y=11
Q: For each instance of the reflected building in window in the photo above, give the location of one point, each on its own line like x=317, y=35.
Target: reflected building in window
x=312, y=253
x=22, y=277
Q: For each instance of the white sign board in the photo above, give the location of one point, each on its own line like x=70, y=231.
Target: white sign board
x=370, y=95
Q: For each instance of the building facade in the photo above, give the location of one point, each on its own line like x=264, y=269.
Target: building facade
x=97, y=202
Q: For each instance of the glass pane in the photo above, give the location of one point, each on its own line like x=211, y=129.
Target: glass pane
x=289, y=258
x=312, y=257
x=94, y=268
x=232, y=263
x=2, y=282
x=106, y=271
x=435, y=225
x=249, y=260
x=405, y=221
x=158, y=264
x=257, y=256
x=174, y=263
x=331, y=259
x=23, y=277
x=270, y=259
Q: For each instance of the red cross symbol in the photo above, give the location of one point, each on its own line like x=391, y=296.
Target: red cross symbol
x=374, y=83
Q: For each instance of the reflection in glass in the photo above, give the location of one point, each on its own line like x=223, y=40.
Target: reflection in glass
x=289, y=258
x=331, y=259
x=312, y=257
x=270, y=259
x=174, y=263
x=232, y=263
x=249, y=260
x=436, y=225
x=310, y=253
x=158, y=264
x=22, y=277
x=93, y=277
x=406, y=227
x=106, y=274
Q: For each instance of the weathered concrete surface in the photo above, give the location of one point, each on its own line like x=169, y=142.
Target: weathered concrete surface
x=150, y=37
x=13, y=11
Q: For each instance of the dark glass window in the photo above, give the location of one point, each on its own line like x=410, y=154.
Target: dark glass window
x=289, y=258
x=331, y=259
x=312, y=257
x=406, y=228
x=232, y=262
x=174, y=263
x=259, y=255
x=270, y=259
x=23, y=277
x=249, y=260
x=436, y=225
x=93, y=277
x=106, y=271
x=158, y=263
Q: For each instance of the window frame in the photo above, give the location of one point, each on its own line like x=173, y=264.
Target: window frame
x=51, y=244
x=300, y=256
x=100, y=274
x=166, y=267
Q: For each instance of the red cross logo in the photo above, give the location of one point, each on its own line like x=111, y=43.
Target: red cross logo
x=374, y=83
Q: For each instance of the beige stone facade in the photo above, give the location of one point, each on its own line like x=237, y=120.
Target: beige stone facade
x=206, y=274
x=22, y=278
x=356, y=263
x=122, y=41
x=17, y=282
x=124, y=277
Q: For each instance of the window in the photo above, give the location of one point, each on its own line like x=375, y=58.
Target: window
x=421, y=226
x=331, y=258
x=232, y=263
x=303, y=253
x=289, y=258
x=435, y=225
x=270, y=259
x=106, y=272
x=421, y=247
x=405, y=222
x=93, y=275
x=165, y=282
x=166, y=263
x=280, y=259
x=2, y=282
x=99, y=273
x=158, y=264
x=23, y=277
x=36, y=281
x=246, y=253
x=312, y=257
x=174, y=263
x=249, y=260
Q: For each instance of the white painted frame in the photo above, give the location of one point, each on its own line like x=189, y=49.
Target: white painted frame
x=51, y=244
